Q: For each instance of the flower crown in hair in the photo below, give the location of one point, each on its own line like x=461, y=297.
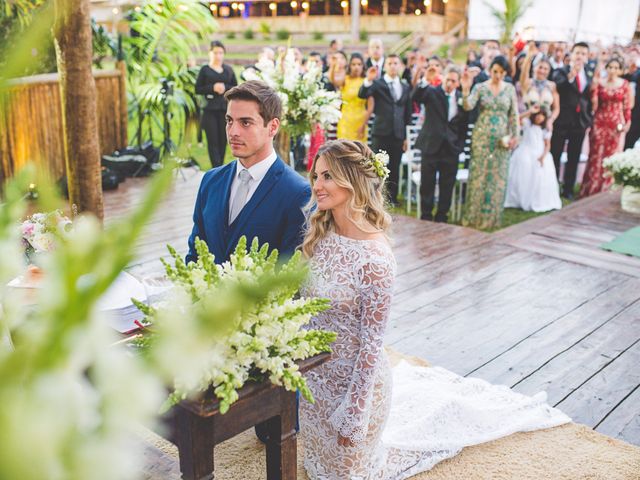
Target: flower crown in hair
x=378, y=163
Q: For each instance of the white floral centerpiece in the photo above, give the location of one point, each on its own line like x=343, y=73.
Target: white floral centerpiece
x=305, y=102
x=260, y=339
x=41, y=230
x=624, y=167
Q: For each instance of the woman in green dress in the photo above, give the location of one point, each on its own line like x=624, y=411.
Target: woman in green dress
x=494, y=136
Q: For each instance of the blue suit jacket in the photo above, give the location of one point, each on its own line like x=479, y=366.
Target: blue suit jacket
x=273, y=214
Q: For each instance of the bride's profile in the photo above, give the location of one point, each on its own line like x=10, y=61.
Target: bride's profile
x=360, y=428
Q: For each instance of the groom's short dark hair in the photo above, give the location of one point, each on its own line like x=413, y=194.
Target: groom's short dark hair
x=269, y=103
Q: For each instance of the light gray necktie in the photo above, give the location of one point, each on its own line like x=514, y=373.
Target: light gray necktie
x=394, y=93
x=239, y=199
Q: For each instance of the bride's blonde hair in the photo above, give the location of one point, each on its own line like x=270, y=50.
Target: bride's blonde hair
x=351, y=166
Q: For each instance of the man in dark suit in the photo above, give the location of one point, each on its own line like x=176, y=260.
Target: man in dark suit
x=392, y=110
x=634, y=132
x=376, y=57
x=440, y=140
x=257, y=195
x=574, y=87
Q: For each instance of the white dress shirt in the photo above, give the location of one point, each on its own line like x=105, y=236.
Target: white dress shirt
x=395, y=84
x=379, y=64
x=583, y=79
x=257, y=172
x=453, y=105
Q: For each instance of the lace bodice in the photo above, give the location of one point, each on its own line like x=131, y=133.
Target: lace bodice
x=357, y=275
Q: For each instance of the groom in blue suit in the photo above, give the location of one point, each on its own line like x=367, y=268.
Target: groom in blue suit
x=257, y=195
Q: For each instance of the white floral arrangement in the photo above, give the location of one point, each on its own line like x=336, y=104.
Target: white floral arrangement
x=305, y=102
x=40, y=231
x=258, y=339
x=378, y=163
x=624, y=167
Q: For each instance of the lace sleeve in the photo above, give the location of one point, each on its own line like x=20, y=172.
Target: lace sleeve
x=351, y=418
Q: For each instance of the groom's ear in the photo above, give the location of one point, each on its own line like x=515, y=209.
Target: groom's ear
x=274, y=126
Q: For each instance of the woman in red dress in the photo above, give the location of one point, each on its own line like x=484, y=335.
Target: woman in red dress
x=612, y=102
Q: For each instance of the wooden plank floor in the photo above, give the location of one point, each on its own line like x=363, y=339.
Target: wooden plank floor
x=536, y=306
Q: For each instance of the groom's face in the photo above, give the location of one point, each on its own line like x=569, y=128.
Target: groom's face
x=249, y=138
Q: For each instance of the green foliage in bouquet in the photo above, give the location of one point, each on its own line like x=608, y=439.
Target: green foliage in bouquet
x=251, y=301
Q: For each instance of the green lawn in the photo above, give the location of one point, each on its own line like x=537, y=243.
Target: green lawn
x=511, y=216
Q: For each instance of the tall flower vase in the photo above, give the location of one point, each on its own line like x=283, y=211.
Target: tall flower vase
x=283, y=146
x=630, y=199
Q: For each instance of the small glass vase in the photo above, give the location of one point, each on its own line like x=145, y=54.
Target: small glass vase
x=630, y=199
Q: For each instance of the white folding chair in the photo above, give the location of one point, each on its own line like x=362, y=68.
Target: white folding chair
x=409, y=162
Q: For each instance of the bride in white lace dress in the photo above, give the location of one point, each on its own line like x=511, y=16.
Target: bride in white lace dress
x=357, y=429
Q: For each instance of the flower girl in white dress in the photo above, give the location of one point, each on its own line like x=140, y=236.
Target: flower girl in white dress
x=360, y=427
x=533, y=183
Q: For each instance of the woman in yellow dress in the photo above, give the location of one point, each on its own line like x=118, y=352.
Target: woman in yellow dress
x=355, y=111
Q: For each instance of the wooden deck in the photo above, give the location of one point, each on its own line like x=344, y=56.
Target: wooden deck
x=537, y=306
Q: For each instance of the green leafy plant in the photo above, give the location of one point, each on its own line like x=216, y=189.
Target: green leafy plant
x=283, y=34
x=265, y=30
x=164, y=44
x=230, y=35
x=364, y=35
x=66, y=390
x=104, y=45
x=248, y=34
x=317, y=36
x=256, y=298
x=507, y=17
x=15, y=19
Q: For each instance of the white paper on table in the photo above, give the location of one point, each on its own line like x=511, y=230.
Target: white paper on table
x=121, y=291
x=116, y=303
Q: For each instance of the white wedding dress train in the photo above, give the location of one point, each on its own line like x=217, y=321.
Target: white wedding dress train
x=429, y=415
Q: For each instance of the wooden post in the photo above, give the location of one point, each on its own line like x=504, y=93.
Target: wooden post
x=74, y=52
x=124, y=114
x=385, y=14
x=355, y=21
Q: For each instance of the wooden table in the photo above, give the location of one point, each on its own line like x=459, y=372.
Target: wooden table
x=196, y=426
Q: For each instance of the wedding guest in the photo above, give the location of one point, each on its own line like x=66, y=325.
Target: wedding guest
x=441, y=140
x=557, y=59
x=538, y=89
x=334, y=46
x=495, y=134
x=532, y=184
x=612, y=100
x=338, y=70
x=376, y=57
x=410, y=65
x=633, y=134
x=355, y=111
x=574, y=88
x=472, y=57
x=213, y=81
x=490, y=50
x=392, y=108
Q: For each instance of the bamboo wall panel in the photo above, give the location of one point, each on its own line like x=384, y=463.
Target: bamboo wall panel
x=31, y=125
